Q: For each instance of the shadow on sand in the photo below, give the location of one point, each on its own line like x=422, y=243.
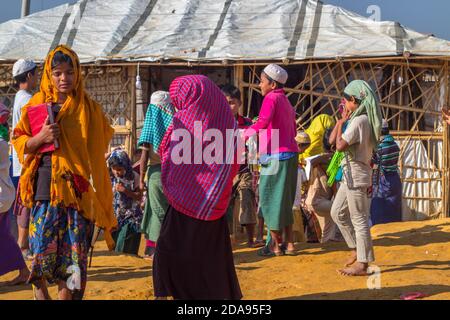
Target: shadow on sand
x=378, y=294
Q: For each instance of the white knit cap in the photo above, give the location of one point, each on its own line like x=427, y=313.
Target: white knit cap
x=302, y=138
x=22, y=66
x=276, y=72
x=160, y=97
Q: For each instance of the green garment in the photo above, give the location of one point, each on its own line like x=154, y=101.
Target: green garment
x=368, y=106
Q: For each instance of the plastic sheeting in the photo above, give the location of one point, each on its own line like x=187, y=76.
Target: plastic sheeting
x=195, y=30
x=417, y=164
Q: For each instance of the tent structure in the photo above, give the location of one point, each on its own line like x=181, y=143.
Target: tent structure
x=209, y=30
x=323, y=47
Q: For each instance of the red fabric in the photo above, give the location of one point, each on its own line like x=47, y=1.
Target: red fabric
x=150, y=244
x=4, y=113
x=199, y=190
x=36, y=116
x=244, y=122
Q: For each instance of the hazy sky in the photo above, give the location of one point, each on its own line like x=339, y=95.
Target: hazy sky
x=429, y=16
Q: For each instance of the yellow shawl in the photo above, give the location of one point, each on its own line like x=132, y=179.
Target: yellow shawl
x=80, y=178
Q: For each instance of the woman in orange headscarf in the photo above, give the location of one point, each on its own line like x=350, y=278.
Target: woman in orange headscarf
x=69, y=189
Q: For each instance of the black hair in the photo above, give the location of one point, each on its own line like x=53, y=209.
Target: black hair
x=115, y=162
x=349, y=98
x=304, y=145
x=278, y=84
x=326, y=140
x=59, y=58
x=231, y=91
x=384, y=131
x=22, y=78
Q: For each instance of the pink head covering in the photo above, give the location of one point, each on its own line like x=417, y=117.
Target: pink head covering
x=198, y=189
x=4, y=113
x=341, y=106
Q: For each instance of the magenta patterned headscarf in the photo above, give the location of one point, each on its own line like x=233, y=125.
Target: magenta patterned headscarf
x=203, y=190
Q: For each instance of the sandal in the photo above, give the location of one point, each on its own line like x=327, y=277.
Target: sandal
x=279, y=253
x=265, y=252
x=290, y=252
x=257, y=244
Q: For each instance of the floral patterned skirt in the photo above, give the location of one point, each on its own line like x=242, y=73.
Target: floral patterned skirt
x=59, y=242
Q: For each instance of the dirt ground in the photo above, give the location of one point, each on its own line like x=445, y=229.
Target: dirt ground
x=412, y=256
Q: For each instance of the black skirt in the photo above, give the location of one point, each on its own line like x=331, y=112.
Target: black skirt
x=194, y=259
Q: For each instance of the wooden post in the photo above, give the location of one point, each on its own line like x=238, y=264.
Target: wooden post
x=238, y=75
x=132, y=71
x=445, y=148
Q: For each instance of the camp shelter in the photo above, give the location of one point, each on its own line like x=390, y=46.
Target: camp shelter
x=323, y=47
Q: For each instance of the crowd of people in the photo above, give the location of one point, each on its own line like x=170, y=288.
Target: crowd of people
x=330, y=182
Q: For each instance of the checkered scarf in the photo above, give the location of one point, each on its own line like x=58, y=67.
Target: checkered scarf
x=157, y=119
x=197, y=190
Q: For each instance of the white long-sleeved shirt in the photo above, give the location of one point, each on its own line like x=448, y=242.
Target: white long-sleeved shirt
x=21, y=99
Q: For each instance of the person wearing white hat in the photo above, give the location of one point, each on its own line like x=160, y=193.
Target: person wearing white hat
x=25, y=74
x=278, y=178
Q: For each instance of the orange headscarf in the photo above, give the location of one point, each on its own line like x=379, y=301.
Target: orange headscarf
x=80, y=178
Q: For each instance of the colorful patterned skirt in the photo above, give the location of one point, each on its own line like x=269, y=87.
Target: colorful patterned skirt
x=59, y=242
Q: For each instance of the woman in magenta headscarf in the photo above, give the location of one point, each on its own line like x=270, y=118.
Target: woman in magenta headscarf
x=193, y=258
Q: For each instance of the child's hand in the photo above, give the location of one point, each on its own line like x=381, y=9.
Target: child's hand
x=142, y=186
x=120, y=187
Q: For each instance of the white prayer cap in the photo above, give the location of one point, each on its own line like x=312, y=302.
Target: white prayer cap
x=160, y=97
x=384, y=124
x=22, y=66
x=302, y=138
x=276, y=72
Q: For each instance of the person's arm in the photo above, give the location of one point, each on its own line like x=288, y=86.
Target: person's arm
x=265, y=117
x=135, y=195
x=48, y=134
x=333, y=135
x=143, y=166
x=446, y=114
x=341, y=144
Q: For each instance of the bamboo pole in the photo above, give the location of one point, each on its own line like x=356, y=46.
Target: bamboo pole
x=445, y=148
x=132, y=105
x=318, y=94
x=238, y=75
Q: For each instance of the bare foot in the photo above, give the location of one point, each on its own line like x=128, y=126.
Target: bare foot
x=358, y=269
x=148, y=257
x=351, y=260
x=290, y=246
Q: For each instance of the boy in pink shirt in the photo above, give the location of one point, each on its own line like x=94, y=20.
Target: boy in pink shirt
x=276, y=127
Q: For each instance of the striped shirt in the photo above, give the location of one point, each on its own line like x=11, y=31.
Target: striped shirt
x=387, y=155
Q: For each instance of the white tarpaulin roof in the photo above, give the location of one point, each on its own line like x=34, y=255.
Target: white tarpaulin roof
x=148, y=30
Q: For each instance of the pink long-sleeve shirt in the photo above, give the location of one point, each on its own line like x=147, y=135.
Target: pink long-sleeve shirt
x=276, y=113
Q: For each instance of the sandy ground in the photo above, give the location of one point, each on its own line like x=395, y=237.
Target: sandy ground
x=412, y=256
